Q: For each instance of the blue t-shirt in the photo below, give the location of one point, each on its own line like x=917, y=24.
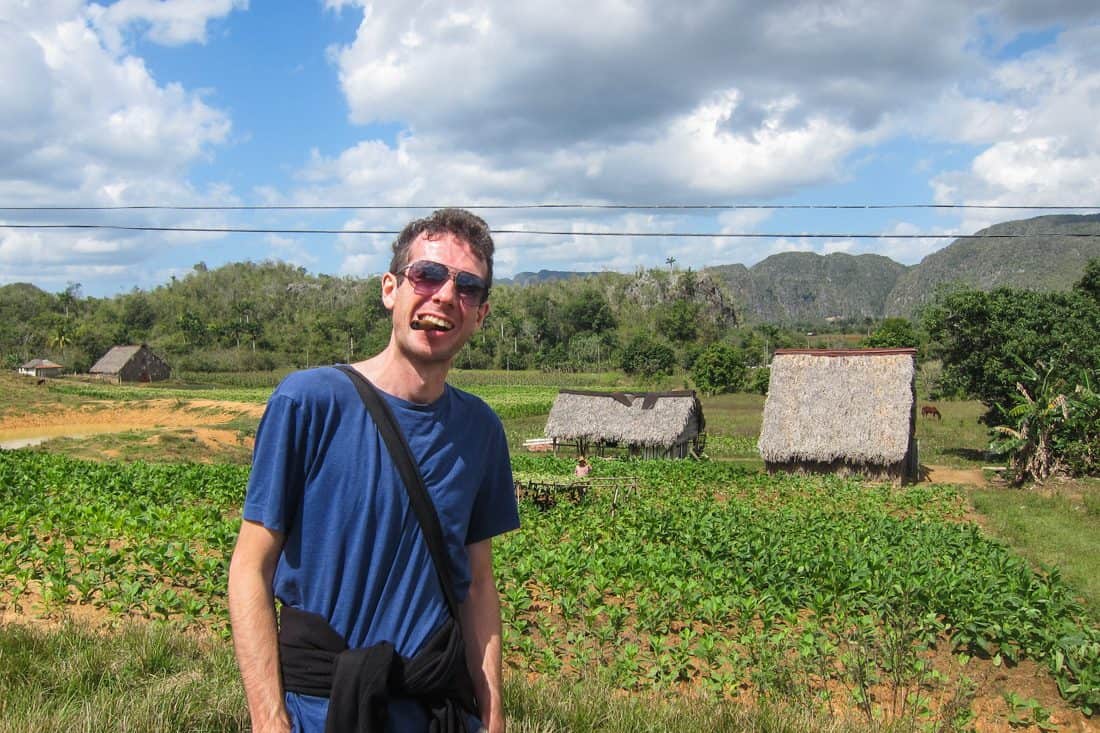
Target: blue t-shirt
x=354, y=551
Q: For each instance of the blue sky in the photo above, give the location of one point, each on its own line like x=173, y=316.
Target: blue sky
x=231, y=102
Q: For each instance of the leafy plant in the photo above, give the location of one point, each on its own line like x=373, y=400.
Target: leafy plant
x=1055, y=426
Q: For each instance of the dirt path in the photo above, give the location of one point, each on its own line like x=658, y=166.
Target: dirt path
x=963, y=476
x=205, y=417
x=148, y=414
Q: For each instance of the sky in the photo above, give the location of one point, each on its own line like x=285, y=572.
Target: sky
x=394, y=108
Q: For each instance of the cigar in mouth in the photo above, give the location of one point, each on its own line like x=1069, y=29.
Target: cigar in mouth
x=423, y=324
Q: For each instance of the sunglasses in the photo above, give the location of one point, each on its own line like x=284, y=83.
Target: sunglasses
x=427, y=277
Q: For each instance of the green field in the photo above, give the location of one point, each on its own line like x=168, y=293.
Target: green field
x=701, y=592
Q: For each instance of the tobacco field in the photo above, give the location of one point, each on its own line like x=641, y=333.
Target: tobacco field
x=665, y=577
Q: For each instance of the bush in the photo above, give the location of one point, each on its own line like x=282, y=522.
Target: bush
x=1054, y=427
x=642, y=355
x=720, y=368
x=758, y=380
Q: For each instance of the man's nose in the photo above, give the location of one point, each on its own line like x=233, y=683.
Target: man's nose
x=447, y=291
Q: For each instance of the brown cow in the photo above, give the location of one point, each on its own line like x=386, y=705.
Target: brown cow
x=930, y=411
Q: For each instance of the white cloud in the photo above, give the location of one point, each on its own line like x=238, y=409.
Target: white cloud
x=1041, y=135
x=168, y=23
x=571, y=102
x=536, y=74
x=88, y=125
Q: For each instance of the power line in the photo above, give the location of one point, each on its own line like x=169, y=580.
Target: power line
x=556, y=233
x=498, y=207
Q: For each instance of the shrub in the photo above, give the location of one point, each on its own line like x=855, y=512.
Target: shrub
x=642, y=355
x=1055, y=426
x=720, y=368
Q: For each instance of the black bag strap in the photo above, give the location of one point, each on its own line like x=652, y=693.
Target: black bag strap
x=414, y=483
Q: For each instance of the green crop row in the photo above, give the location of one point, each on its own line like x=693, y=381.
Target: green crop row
x=130, y=392
x=666, y=574
x=133, y=538
x=717, y=574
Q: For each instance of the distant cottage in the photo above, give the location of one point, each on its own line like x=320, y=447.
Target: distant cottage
x=844, y=411
x=41, y=368
x=647, y=424
x=131, y=364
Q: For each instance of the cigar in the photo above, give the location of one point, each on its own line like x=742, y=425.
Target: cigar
x=419, y=325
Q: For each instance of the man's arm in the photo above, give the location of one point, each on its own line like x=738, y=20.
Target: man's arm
x=252, y=615
x=481, y=631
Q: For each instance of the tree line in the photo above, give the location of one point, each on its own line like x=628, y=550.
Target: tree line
x=250, y=316
x=1032, y=358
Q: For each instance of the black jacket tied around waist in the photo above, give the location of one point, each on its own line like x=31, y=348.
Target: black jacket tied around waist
x=359, y=683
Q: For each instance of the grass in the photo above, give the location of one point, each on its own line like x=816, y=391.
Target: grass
x=22, y=395
x=588, y=705
x=139, y=678
x=153, y=678
x=958, y=440
x=84, y=682
x=1057, y=526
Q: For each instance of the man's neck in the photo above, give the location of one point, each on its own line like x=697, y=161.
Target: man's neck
x=396, y=375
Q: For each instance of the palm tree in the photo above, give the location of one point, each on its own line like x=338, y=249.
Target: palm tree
x=60, y=339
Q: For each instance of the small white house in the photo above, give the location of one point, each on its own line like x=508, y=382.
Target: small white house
x=41, y=368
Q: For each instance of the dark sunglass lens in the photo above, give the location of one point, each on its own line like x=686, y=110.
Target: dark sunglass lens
x=429, y=273
x=470, y=285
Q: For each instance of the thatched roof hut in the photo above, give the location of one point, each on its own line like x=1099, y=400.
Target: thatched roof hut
x=41, y=368
x=846, y=411
x=649, y=424
x=136, y=363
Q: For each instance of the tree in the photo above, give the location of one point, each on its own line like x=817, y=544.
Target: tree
x=1089, y=284
x=719, y=369
x=893, y=333
x=984, y=337
x=678, y=321
x=587, y=312
x=69, y=297
x=60, y=338
x=138, y=317
x=642, y=355
x=1054, y=426
x=193, y=328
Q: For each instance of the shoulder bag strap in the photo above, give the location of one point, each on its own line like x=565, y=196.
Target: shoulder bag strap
x=414, y=483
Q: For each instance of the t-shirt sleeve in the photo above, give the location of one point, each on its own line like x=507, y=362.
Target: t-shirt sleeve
x=495, y=511
x=275, y=484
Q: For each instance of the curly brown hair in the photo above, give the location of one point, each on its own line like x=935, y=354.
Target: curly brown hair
x=468, y=227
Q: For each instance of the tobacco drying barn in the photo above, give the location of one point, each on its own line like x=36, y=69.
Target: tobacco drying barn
x=131, y=364
x=845, y=411
x=646, y=424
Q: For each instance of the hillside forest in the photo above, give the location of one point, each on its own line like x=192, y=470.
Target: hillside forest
x=271, y=315
x=1031, y=357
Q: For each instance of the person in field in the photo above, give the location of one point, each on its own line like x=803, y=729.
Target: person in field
x=583, y=468
x=328, y=532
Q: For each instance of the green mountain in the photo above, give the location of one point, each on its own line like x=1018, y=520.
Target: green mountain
x=1035, y=262
x=803, y=287
x=807, y=287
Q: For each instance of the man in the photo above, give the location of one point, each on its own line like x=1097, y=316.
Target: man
x=327, y=526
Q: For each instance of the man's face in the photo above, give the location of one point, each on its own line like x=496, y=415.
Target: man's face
x=445, y=306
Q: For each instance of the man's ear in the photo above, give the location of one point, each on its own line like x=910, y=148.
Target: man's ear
x=389, y=290
x=482, y=312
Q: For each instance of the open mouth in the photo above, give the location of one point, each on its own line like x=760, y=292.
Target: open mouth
x=431, y=323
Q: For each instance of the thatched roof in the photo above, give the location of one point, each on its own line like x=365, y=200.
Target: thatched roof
x=41, y=364
x=114, y=360
x=824, y=406
x=642, y=418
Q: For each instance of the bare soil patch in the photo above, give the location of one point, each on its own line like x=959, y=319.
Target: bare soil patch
x=961, y=476
x=201, y=416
